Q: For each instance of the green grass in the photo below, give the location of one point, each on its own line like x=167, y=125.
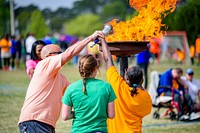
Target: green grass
x=13, y=85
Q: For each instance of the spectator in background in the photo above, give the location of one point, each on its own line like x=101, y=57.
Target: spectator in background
x=91, y=98
x=172, y=78
x=192, y=54
x=198, y=50
x=19, y=50
x=5, y=45
x=13, y=51
x=47, y=39
x=28, y=45
x=155, y=49
x=35, y=57
x=0, y=58
x=180, y=55
x=142, y=61
x=193, y=88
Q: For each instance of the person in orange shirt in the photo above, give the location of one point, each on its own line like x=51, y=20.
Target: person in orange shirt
x=133, y=101
x=155, y=49
x=192, y=53
x=180, y=55
x=198, y=50
x=5, y=45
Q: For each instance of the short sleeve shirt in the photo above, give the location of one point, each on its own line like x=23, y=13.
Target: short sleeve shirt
x=129, y=110
x=90, y=108
x=45, y=91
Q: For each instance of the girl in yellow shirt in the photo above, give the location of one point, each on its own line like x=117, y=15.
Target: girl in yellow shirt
x=133, y=101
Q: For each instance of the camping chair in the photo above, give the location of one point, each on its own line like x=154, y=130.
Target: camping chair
x=162, y=101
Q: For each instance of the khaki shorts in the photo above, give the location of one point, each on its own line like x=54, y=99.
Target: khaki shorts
x=5, y=55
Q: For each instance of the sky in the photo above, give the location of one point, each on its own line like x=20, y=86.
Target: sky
x=42, y=4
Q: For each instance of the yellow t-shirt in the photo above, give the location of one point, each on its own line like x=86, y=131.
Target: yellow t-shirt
x=129, y=110
x=192, y=51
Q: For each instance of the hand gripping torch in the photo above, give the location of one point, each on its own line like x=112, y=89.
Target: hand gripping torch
x=107, y=29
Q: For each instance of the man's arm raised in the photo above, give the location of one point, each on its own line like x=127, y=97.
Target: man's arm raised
x=77, y=47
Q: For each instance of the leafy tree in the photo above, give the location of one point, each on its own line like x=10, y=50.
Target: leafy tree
x=58, y=18
x=22, y=16
x=88, y=6
x=23, y=22
x=37, y=24
x=114, y=10
x=83, y=25
x=186, y=18
x=4, y=17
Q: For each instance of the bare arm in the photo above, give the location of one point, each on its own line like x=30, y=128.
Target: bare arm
x=31, y=71
x=198, y=95
x=76, y=48
x=106, y=53
x=67, y=112
x=182, y=83
x=111, y=110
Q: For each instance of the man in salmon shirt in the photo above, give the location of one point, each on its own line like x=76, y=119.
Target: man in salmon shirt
x=133, y=101
x=42, y=104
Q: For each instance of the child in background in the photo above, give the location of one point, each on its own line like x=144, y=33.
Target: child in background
x=35, y=57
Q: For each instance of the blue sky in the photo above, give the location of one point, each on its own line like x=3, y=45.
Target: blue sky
x=52, y=4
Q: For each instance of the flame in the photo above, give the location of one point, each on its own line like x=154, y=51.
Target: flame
x=146, y=25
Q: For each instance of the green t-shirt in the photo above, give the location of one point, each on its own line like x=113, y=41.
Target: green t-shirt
x=91, y=108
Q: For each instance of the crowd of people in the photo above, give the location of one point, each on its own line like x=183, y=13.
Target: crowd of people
x=96, y=106
x=16, y=50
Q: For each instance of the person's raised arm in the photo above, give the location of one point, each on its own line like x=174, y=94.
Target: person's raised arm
x=77, y=47
x=106, y=53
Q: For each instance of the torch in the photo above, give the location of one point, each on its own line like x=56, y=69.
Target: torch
x=107, y=29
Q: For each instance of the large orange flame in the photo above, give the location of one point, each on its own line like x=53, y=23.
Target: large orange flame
x=146, y=25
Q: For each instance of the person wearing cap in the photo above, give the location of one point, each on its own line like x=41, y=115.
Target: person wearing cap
x=42, y=105
x=172, y=78
x=193, y=87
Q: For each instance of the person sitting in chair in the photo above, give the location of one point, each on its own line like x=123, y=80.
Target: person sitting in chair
x=172, y=79
x=193, y=88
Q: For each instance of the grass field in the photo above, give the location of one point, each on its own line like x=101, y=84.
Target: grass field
x=13, y=85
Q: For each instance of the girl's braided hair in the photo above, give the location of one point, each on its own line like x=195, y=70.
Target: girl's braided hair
x=134, y=76
x=87, y=65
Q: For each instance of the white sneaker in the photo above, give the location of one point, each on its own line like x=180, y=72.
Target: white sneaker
x=194, y=116
x=184, y=118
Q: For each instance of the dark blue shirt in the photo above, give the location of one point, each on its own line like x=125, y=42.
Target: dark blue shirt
x=143, y=57
x=166, y=79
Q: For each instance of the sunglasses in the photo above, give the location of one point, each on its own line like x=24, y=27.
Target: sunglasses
x=56, y=52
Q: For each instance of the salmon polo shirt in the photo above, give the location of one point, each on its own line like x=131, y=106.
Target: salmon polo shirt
x=44, y=94
x=129, y=110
